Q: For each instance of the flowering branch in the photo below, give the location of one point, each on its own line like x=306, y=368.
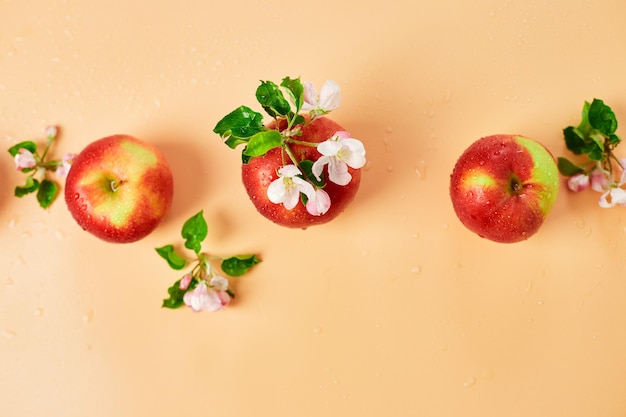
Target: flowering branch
x=603, y=171
x=202, y=289
x=28, y=160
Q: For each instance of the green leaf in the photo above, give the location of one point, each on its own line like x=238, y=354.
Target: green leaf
x=307, y=168
x=296, y=89
x=602, y=118
x=239, y=125
x=47, y=192
x=568, y=168
x=574, y=140
x=595, y=147
x=614, y=140
x=262, y=142
x=175, y=300
x=194, y=231
x=31, y=186
x=174, y=260
x=28, y=145
x=272, y=99
x=238, y=265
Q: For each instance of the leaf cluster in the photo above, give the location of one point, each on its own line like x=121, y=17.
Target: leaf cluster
x=594, y=137
x=244, y=126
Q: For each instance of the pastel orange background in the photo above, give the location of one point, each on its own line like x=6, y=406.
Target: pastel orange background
x=394, y=308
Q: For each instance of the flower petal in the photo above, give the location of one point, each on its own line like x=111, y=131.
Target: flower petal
x=338, y=172
x=219, y=283
x=329, y=147
x=578, y=182
x=310, y=96
x=319, y=204
x=355, y=155
x=612, y=197
x=318, y=166
x=289, y=171
x=330, y=97
x=276, y=192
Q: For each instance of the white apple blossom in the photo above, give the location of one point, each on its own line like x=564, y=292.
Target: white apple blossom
x=328, y=99
x=24, y=159
x=204, y=298
x=219, y=283
x=287, y=187
x=339, y=152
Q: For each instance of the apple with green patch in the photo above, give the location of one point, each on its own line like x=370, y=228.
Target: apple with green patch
x=504, y=186
x=119, y=188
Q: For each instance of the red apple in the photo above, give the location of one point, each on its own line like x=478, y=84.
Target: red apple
x=119, y=188
x=504, y=186
x=259, y=173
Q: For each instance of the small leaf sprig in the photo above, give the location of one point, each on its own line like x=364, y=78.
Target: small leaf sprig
x=602, y=171
x=293, y=106
x=29, y=161
x=203, y=288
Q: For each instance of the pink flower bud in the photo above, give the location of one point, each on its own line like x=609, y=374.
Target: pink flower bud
x=578, y=182
x=184, y=282
x=24, y=159
x=599, y=180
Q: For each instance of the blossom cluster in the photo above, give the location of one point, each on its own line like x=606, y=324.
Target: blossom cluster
x=601, y=180
x=29, y=161
x=204, y=288
x=295, y=182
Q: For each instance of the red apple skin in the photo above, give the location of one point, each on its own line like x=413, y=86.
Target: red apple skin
x=143, y=195
x=504, y=186
x=259, y=173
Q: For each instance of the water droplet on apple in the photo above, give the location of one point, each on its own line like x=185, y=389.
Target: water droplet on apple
x=76, y=196
x=39, y=312
x=416, y=269
x=317, y=330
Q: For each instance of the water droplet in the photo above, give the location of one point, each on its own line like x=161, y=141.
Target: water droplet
x=88, y=317
x=13, y=221
x=529, y=286
x=415, y=235
x=26, y=235
x=469, y=382
x=76, y=196
x=389, y=129
x=540, y=302
x=59, y=234
x=8, y=334
x=389, y=168
x=420, y=169
x=416, y=269
x=317, y=330
x=39, y=312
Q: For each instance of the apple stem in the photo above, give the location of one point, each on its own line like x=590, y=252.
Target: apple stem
x=115, y=185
